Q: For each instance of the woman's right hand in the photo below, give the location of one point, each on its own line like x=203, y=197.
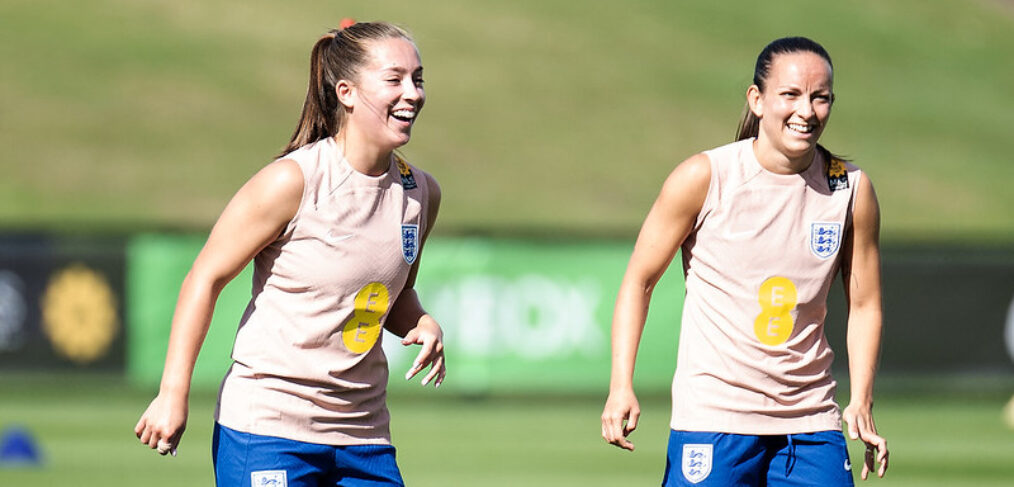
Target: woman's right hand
x=162, y=424
x=619, y=418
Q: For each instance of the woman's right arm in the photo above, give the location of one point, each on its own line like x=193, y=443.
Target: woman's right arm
x=253, y=219
x=665, y=228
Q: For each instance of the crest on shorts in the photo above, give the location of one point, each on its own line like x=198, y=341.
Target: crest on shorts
x=696, y=462
x=825, y=238
x=410, y=242
x=268, y=478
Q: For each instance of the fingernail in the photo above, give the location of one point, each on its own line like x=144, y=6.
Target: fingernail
x=408, y=375
x=425, y=381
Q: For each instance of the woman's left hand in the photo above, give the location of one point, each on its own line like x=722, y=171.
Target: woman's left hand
x=861, y=427
x=428, y=334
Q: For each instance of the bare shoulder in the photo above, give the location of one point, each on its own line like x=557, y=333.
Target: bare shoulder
x=865, y=183
x=432, y=201
x=275, y=191
x=280, y=182
x=687, y=184
x=256, y=214
x=434, y=189
x=694, y=171
x=283, y=175
x=867, y=208
x=865, y=194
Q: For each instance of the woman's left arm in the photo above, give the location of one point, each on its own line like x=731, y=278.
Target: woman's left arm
x=410, y=321
x=861, y=273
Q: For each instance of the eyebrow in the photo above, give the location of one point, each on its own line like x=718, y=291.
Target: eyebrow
x=797, y=87
x=398, y=67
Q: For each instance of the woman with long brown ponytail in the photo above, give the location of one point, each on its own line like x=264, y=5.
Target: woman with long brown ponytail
x=764, y=224
x=335, y=227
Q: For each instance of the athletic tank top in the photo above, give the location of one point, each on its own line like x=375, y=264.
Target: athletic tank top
x=307, y=360
x=759, y=262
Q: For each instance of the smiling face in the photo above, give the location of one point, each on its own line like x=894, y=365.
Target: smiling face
x=794, y=105
x=385, y=100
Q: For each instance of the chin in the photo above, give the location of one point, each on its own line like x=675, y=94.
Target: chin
x=400, y=141
x=799, y=146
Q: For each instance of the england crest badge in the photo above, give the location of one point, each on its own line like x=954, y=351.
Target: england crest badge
x=825, y=238
x=410, y=242
x=269, y=478
x=696, y=462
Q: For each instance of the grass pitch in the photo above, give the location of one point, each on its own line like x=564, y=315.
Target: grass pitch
x=84, y=426
x=151, y=113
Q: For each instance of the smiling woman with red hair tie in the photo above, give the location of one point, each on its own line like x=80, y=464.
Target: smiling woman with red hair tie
x=335, y=227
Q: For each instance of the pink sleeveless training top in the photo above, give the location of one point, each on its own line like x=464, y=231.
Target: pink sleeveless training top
x=759, y=262
x=308, y=363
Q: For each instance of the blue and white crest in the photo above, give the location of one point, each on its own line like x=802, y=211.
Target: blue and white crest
x=410, y=242
x=825, y=239
x=696, y=462
x=269, y=478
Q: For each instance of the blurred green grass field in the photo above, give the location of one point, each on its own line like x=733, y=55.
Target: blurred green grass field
x=120, y=114
x=84, y=425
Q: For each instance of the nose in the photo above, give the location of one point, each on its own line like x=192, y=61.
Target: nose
x=804, y=108
x=411, y=91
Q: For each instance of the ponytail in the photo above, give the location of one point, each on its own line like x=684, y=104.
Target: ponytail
x=749, y=124
x=320, y=117
x=338, y=55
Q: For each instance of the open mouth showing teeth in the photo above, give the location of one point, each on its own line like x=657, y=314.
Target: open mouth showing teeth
x=404, y=115
x=801, y=127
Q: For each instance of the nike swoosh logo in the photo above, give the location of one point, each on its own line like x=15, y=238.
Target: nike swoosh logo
x=338, y=238
x=848, y=465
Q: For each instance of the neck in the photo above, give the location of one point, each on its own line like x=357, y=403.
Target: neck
x=778, y=162
x=364, y=157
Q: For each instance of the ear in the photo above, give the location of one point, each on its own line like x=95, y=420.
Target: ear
x=345, y=92
x=753, y=99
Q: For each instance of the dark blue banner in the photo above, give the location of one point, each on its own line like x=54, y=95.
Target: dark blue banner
x=61, y=303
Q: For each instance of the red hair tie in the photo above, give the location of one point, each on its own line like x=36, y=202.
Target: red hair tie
x=346, y=23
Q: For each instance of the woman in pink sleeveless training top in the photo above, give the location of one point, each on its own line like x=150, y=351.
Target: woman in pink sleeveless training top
x=335, y=227
x=764, y=224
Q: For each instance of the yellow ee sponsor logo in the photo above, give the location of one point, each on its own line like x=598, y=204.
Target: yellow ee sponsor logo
x=362, y=330
x=777, y=297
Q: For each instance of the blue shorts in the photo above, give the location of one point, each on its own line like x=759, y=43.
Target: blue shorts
x=244, y=459
x=722, y=459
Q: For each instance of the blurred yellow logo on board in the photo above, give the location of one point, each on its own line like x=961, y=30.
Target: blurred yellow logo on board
x=79, y=313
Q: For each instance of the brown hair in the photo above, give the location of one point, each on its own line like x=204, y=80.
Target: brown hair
x=338, y=55
x=749, y=124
